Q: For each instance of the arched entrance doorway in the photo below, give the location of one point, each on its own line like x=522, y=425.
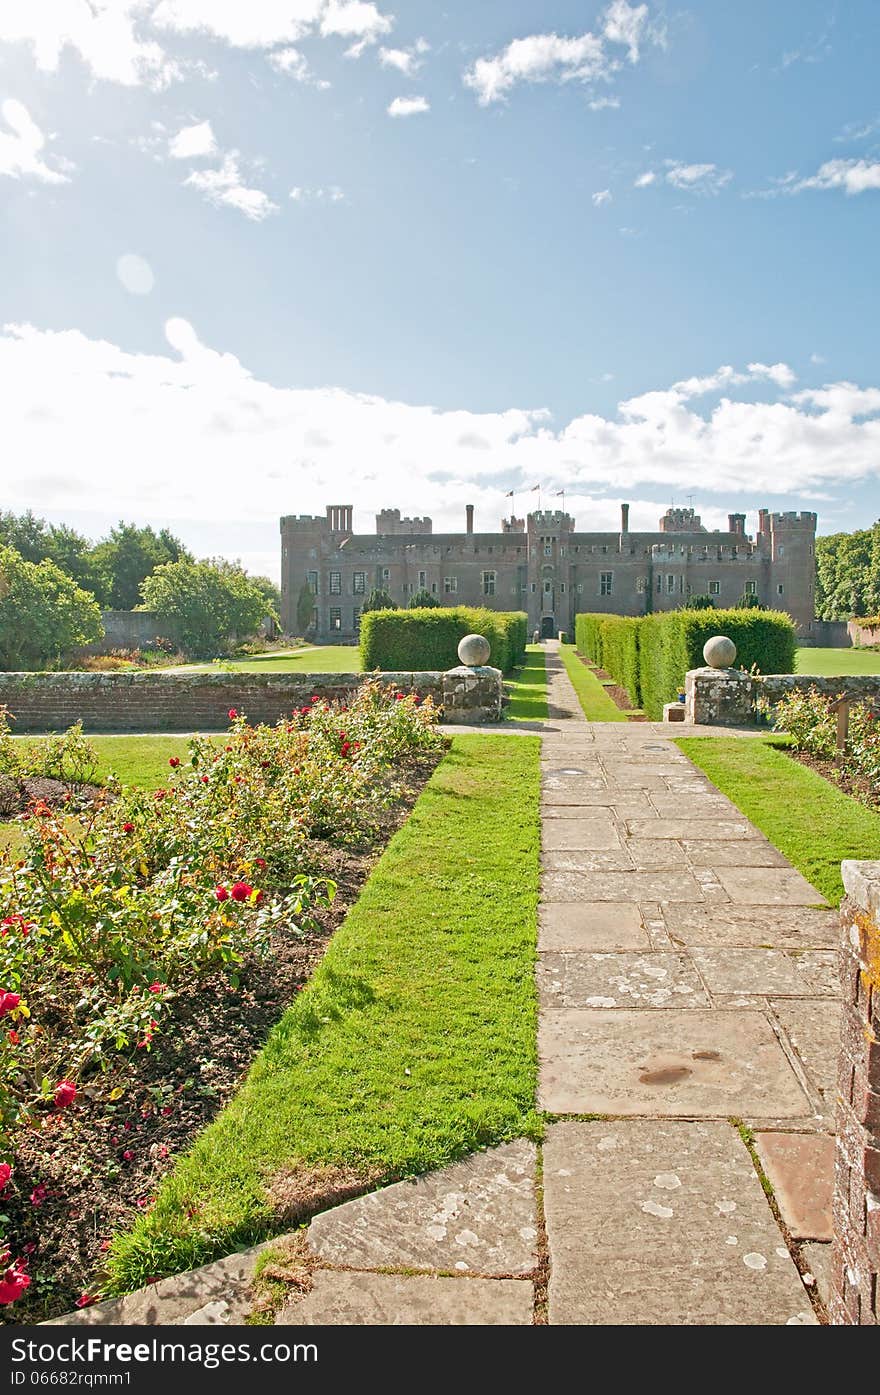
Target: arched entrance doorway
x=548, y=627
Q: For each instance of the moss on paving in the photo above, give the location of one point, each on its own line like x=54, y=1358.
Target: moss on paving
x=414, y=1042
x=597, y=705
x=811, y=822
x=528, y=688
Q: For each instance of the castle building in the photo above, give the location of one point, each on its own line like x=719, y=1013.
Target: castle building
x=542, y=565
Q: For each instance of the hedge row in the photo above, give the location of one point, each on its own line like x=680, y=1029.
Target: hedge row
x=650, y=655
x=428, y=639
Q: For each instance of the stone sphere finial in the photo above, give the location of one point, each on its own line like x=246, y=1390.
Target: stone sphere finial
x=719, y=651
x=474, y=650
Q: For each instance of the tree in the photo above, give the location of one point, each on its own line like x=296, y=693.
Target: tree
x=378, y=600
x=272, y=593
x=699, y=603
x=423, y=599
x=128, y=556
x=848, y=574
x=305, y=608
x=748, y=601
x=206, y=603
x=43, y=613
x=36, y=540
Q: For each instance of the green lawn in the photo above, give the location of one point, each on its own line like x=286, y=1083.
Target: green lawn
x=528, y=688
x=414, y=1042
x=328, y=658
x=594, y=700
x=831, y=662
x=811, y=822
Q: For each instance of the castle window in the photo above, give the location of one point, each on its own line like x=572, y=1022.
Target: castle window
x=356, y=619
x=313, y=583
x=641, y=583
x=359, y=584
x=659, y=582
x=548, y=587
x=780, y=590
x=714, y=588
x=450, y=585
x=386, y=573
x=534, y=587
x=780, y=550
x=433, y=588
x=606, y=583
x=548, y=550
x=580, y=587
x=336, y=583
x=488, y=583
x=605, y=547
x=335, y=618
x=423, y=580
x=751, y=588
x=562, y=588
x=670, y=583
x=562, y=552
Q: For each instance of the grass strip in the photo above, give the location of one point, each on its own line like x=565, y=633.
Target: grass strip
x=329, y=658
x=528, y=688
x=811, y=822
x=597, y=705
x=414, y=1041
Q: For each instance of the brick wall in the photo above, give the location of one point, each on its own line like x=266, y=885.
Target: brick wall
x=151, y=701
x=855, y=1254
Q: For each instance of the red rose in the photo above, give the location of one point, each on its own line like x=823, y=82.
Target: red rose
x=221, y=893
x=65, y=1093
x=398, y=697
x=38, y=1195
x=5, y=1174
x=241, y=891
x=157, y=987
x=315, y=697
x=12, y=1037
x=128, y=828
x=8, y=1002
x=160, y=794
x=204, y=780
x=233, y=713
x=86, y=1300
x=15, y=922
x=174, y=762
x=258, y=896
x=13, y=1281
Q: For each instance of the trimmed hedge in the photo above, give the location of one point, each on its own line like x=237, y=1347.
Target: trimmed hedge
x=650, y=655
x=428, y=638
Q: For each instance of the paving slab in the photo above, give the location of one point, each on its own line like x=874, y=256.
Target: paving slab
x=774, y=926
x=570, y=860
x=696, y=808
x=581, y=834
x=578, y=980
x=607, y=925
x=669, y=1062
x=718, y=830
x=649, y=854
x=744, y=852
x=765, y=886
x=477, y=1216
x=800, y=1167
x=813, y=1029
x=603, y=798
x=399, y=1300
x=621, y=886
x=662, y=1223
x=808, y=973
x=572, y=794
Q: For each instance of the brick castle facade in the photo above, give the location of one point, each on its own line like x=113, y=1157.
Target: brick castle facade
x=542, y=565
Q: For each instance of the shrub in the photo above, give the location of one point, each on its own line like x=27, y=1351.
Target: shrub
x=649, y=656
x=378, y=600
x=699, y=603
x=428, y=639
x=423, y=600
x=42, y=613
x=809, y=721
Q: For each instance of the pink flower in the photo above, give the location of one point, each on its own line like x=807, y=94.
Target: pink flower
x=261, y=863
x=241, y=891
x=233, y=713
x=174, y=762
x=65, y=1093
x=86, y=1300
x=8, y=1002
x=221, y=893
x=13, y=1281
x=127, y=1155
x=15, y=922
x=5, y=1174
x=157, y=987
x=38, y=1195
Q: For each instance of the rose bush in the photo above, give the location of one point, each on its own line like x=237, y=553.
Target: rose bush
x=110, y=909
x=810, y=719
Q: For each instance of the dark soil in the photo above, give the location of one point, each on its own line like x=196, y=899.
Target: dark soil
x=16, y=795
x=80, y=1174
x=859, y=787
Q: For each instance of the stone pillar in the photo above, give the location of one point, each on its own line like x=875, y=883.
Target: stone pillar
x=719, y=697
x=855, y=1252
x=473, y=691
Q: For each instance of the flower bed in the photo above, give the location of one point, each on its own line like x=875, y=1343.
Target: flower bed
x=810, y=720
x=147, y=943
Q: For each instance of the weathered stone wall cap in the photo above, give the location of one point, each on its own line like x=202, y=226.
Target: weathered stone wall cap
x=862, y=883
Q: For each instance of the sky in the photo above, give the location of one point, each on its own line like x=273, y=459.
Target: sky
x=260, y=257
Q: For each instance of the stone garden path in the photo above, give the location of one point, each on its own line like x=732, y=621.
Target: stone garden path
x=688, y=1008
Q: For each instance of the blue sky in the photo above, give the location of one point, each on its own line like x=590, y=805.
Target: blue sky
x=260, y=257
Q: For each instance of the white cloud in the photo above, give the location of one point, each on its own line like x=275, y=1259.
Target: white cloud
x=816, y=358
x=601, y=196
x=555, y=58
x=331, y=194
x=405, y=60
x=240, y=23
x=649, y=177
x=224, y=186
x=858, y=130
x=192, y=424
x=852, y=176
x=294, y=64
x=135, y=274
x=604, y=104
x=192, y=142
x=696, y=179
x=408, y=106
x=104, y=33
x=355, y=19
x=20, y=151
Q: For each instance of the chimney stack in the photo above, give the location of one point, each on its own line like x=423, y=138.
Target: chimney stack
x=624, y=518
x=469, y=514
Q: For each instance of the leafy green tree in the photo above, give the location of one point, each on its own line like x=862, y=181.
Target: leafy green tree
x=305, y=606
x=848, y=574
x=206, y=603
x=128, y=556
x=378, y=600
x=699, y=603
x=270, y=591
x=43, y=613
x=36, y=540
x=749, y=602
x=423, y=599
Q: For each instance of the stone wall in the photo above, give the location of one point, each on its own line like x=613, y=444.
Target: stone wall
x=861, y=634
x=729, y=697
x=130, y=629
x=855, y=1252
x=827, y=634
